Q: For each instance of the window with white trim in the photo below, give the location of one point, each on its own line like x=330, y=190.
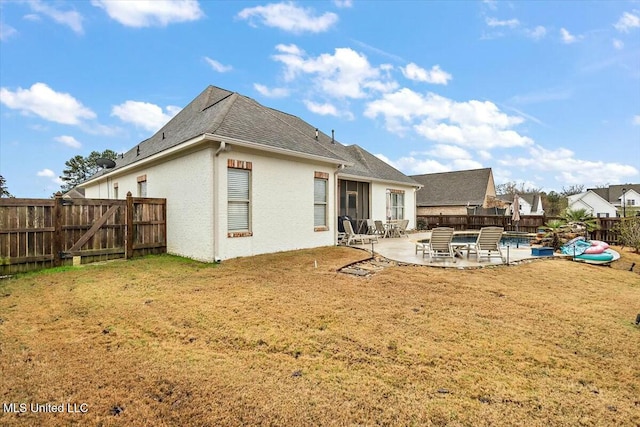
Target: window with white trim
x=142, y=186
x=239, y=200
x=320, y=203
x=397, y=204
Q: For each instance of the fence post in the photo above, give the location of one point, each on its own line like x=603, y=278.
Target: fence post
x=58, y=241
x=129, y=223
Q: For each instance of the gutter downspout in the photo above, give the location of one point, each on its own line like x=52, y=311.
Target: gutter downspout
x=216, y=202
x=336, y=197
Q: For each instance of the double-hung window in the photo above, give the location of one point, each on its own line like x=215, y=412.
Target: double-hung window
x=142, y=186
x=239, y=198
x=320, y=197
x=397, y=204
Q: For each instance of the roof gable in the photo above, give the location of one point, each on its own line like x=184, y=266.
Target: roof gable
x=455, y=188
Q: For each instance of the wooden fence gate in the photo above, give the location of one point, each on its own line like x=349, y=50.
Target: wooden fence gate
x=42, y=233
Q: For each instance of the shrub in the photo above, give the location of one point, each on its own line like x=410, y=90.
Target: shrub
x=629, y=232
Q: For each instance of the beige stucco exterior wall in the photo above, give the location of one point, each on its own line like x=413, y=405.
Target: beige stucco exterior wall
x=379, y=201
x=282, y=205
x=186, y=181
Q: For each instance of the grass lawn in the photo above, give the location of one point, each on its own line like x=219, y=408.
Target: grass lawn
x=272, y=340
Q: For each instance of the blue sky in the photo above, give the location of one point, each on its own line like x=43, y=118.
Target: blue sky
x=545, y=93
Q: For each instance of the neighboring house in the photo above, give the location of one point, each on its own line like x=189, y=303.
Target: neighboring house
x=74, y=193
x=458, y=193
x=530, y=203
x=607, y=202
x=242, y=179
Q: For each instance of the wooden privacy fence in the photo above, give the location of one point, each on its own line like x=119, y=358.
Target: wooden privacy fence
x=42, y=233
x=527, y=224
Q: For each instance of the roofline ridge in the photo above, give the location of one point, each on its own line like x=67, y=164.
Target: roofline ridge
x=217, y=122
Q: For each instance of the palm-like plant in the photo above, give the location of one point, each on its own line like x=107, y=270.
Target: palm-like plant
x=582, y=219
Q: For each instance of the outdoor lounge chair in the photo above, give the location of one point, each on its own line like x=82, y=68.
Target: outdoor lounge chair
x=488, y=243
x=440, y=244
x=380, y=229
x=351, y=236
x=402, y=227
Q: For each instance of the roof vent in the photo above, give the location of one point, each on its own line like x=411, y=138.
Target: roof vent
x=138, y=151
x=316, y=134
x=162, y=135
x=333, y=136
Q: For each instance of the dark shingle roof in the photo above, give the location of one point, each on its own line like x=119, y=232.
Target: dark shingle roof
x=220, y=112
x=613, y=193
x=453, y=188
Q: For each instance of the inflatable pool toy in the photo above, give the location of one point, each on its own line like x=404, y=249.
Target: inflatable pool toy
x=590, y=251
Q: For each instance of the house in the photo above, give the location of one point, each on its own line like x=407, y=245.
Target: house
x=242, y=179
x=530, y=203
x=607, y=201
x=458, y=193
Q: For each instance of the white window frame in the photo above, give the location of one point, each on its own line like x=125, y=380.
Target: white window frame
x=320, y=202
x=239, y=168
x=142, y=186
x=397, y=209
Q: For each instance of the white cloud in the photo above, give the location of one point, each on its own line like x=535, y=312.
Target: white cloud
x=345, y=74
x=636, y=120
x=143, y=114
x=627, y=22
x=148, y=13
x=567, y=37
x=322, y=109
x=537, y=33
x=69, y=141
x=436, y=75
x=412, y=165
x=618, y=44
x=6, y=32
x=48, y=173
x=43, y=101
x=493, y=22
x=276, y=92
x=449, y=152
x=70, y=18
x=217, y=66
x=475, y=124
x=289, y=17
x=343, y=3
x=567, y=169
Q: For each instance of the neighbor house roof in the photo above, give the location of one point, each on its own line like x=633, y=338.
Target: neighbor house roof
x=455, y=188
x=613, y=193
x=219, y=112
x=532, y=198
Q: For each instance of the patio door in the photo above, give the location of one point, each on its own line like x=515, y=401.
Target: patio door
x=354, y=201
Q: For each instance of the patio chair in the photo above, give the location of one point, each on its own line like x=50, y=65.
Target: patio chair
x=440, y=244
x=371, y=227
x=402, y=227
x=351, y=236
x=487, y=243
x=381, y=229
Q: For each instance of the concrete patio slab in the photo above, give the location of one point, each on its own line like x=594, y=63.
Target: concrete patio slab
x=403, y=249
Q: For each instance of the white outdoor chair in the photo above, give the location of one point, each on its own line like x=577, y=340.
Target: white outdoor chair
x=402, y=227
x=440, y=244
x=351, y=236
x=381, y=229
x=488, y=243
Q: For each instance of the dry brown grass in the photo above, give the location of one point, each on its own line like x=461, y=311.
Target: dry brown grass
x=271, y=340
